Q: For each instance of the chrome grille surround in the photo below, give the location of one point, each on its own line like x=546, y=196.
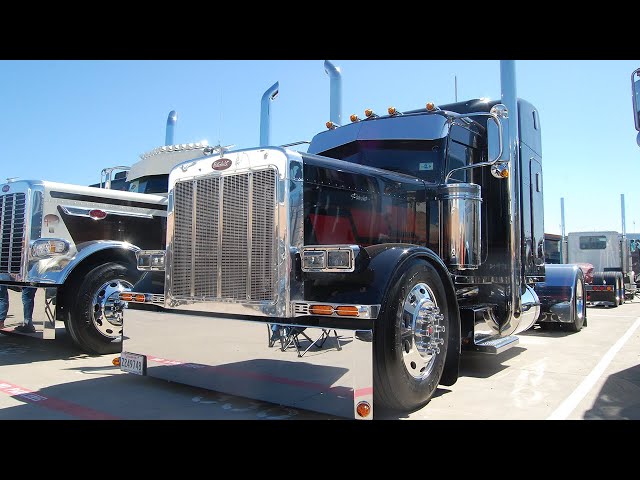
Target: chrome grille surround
x=12, y=231
x=230, y=243
x=15, y=228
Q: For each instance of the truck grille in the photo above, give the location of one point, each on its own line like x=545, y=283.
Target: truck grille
x=224, y=238
x=12, y=224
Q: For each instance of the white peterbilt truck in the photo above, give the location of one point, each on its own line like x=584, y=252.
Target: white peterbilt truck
x=358, y=271
x=78, y=243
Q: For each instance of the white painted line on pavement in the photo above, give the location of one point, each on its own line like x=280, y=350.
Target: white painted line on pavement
x=566, y=407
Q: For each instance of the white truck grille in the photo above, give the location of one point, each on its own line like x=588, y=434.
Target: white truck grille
x=12, y=224
x=224, y=239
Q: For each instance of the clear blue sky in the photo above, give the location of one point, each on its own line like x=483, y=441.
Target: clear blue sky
x=66, y=120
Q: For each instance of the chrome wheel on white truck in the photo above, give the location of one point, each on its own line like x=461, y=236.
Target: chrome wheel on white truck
x=95, y=319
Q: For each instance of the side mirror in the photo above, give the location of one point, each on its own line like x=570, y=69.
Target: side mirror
x=635, y=84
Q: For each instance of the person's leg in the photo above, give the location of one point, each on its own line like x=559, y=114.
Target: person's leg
x=28, y=294
x=4, y=304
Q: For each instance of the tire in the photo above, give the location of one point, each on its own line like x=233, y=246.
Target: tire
x=407, y=368
x=95, y=317
x=621, y=291
x=578, y=306
x=611, y=278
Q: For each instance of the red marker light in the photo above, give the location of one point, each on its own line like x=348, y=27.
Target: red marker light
x=97, y=214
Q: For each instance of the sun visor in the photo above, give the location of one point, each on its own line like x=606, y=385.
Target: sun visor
x=405, y=127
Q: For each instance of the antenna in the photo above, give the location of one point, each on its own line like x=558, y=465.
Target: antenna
x=455, y=82
x=220, y=124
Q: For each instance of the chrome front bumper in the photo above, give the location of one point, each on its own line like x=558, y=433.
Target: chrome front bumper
x=236, y=356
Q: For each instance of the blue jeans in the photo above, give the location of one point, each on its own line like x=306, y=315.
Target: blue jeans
x=28, y=293
x=4, y=302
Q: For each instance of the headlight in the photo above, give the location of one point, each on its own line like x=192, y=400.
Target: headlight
x=329, y=258
x=44, y=248
x=150, y=259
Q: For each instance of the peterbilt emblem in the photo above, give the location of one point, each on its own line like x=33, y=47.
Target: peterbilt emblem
x=221, y=164
x=5, y=188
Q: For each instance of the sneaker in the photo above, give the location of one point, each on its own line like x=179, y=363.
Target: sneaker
x=25, y=329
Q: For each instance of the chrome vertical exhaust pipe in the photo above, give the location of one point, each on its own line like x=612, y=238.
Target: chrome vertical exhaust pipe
x=510, y=100
x=335, y=94
x=563, y=242
x=624, y=226
x=265, y=119
x=171, y=126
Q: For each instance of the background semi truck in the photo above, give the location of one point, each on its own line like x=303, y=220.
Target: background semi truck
x=357, y=271
x=610, y=253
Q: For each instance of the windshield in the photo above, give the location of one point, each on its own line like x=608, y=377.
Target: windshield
x=418, y=158
x=150, y=184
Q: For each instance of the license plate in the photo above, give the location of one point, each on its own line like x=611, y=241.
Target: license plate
x=133, y=363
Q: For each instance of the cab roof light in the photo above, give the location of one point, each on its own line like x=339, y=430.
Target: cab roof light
x=393, y=111
x=354, y=118
x=431, y=106
x=370, y=113
x=331, y=126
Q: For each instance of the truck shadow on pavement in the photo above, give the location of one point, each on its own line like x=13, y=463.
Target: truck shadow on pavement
x=16, y=349
x=619, y=398
x=122, y=396
x=553, y=331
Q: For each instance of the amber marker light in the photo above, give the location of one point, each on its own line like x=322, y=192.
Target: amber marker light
x=392, y=110
x=347, y=311
x=431, y=106
x=363, y=409
x=126, y=297
x=139, y=297
x=330, y=125
x=368, y=112
x=321, y=309
x=505, y=173
x=116, y=361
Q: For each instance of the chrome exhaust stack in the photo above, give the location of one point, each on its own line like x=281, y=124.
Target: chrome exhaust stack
x=171, y=126
x=265, y=120
x=515, y=321
x=335, y=93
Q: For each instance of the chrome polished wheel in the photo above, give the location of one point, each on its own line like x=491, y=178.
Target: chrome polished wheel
x=107, y=308
x=579, y=302
x=420, y=331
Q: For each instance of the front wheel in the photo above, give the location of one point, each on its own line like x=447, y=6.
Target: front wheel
x=410, y=345
x=95, y=317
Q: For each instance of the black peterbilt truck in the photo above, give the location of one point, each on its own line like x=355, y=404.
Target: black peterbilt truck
x=357, y=271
